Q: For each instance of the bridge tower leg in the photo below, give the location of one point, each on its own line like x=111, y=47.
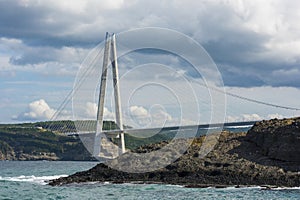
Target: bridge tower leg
x=115, y=72
x=100, y=111
x=110, y=53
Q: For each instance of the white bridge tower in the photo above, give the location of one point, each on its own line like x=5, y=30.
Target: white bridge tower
x=102, y=146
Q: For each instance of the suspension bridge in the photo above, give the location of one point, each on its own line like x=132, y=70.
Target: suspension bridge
x=97, y=138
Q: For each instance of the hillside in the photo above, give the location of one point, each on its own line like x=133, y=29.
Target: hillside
x=31, y=141
x=43, y=141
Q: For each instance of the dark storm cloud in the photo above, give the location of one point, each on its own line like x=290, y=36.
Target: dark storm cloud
x=42, y=26
x=25, y=23
x=251, y=42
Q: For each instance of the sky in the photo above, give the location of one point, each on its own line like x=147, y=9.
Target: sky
x=254, y=44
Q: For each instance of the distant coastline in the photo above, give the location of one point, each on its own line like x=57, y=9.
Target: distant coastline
x=35, y=141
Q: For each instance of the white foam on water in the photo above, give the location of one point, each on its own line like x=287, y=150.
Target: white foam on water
x=33, y=179
x=260, y=187
x=286, y=188
x=240, y=187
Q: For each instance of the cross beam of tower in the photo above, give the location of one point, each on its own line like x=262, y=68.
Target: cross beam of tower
x=109, y=57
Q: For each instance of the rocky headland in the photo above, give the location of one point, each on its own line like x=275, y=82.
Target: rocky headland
x=268, y=154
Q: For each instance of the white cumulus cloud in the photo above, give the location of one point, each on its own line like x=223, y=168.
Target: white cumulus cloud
x=252, y=117
x=139, y=116
x=276, y=115
x=37, y=110
x=91, y=112
x=156, y=116
x=138, y=111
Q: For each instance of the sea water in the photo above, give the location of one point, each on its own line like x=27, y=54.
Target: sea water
x=28, y=180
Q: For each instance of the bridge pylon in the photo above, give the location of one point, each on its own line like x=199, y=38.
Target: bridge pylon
x=101, y=141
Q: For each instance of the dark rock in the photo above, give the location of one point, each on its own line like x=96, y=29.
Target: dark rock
x=278, y=139
x=237, y=160
x=6, y=152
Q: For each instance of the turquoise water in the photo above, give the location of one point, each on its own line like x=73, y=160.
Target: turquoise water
x=27, y=180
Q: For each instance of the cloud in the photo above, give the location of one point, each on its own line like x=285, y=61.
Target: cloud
x=247, y=39
x=23, y=54
x=91, y=112
x=244, y=118
x=139, y=116
x=55, y=23
x=276, y=115
x=255, y=44
x=155, y=116
x=40, y=110
x=252, y=117
x=239, y=110
x=18, y=57
x=36, y=110
x=138, y=111
x=285, y=77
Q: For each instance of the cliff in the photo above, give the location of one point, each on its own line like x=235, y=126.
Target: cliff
x=263, y=156
x=278, y=139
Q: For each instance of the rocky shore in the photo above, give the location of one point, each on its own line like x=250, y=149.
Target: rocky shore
x=268, y=154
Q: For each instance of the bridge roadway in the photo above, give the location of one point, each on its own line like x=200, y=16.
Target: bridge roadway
x=185, y=130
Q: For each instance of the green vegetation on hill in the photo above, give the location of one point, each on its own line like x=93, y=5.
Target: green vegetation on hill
x=32, y=142
x=46, y=141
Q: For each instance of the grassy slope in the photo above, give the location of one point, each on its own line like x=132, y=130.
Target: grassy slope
x=28, y=138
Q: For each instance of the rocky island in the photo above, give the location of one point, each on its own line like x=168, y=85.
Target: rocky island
x=268, y=154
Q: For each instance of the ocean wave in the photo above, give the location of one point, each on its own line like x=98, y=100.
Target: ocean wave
x=259, y=187
x=286, y=188
x=33, y=179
